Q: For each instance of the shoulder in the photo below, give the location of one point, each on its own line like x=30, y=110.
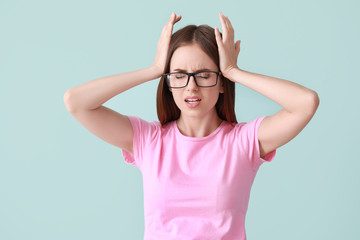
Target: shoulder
x=250, y=125
x=231, y=127
x=244, y=130
x=143, y=123
x=143, y=127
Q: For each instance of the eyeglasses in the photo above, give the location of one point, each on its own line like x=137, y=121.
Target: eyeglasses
x=181, y=79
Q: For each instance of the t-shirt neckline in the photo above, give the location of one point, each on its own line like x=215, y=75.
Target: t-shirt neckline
x=196, y=139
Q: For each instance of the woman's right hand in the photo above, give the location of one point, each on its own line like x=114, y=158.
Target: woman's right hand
x=163, y=44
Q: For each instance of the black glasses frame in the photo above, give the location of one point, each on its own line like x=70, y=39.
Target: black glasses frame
x=189, y=75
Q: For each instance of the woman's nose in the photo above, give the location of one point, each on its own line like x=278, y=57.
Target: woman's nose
x=192, y=84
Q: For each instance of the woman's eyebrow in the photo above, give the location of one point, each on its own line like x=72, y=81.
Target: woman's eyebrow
x=198, y=70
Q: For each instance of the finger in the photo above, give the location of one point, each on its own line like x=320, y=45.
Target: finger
x=230, y=29
x=222, y=20
x=177, y=19
x=223, y=25
x=172, y=20
x=228, y=23
x=218, y=36
x=171, y=17
x=168, y=28
x=237, y=47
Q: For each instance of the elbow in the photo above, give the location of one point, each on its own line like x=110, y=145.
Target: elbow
x=67, y=101
x=312, y=103
x=315, y=100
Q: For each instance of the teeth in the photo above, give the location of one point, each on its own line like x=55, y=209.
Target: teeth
x=192, y=100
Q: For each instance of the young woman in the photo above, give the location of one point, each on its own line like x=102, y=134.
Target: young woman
x=198, y=164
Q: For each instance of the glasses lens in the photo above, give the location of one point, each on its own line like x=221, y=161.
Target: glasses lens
x=206, y=79
x=177, y=79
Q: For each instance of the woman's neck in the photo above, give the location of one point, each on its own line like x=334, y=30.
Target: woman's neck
x=198, y=127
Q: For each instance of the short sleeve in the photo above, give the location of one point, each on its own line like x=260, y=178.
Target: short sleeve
x=143, y=132
x=248, y=135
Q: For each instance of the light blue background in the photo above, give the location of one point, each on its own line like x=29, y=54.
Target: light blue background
x=59, y=181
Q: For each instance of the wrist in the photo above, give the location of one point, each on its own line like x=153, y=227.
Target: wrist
x=157, y=71
x=229, y=74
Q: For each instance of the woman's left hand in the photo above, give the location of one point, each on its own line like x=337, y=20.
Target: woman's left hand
x=228, y=50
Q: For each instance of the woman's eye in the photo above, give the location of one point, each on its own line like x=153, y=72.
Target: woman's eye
x=179, y=76
x=203, y=76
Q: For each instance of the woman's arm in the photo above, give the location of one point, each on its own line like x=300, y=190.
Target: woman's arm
x=93, y=94
x=291, y=96
x=299, y=103
x=85, y=101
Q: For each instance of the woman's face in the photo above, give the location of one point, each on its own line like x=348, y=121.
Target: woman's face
x=191, y=58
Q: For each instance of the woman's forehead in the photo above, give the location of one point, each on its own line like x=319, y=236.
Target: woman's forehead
x=191, y=57
x=193, y=67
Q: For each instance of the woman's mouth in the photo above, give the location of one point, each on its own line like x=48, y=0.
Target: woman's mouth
x=192, y=101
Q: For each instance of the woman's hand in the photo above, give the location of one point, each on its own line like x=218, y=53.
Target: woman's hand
x=163, y=44
x=228, y=50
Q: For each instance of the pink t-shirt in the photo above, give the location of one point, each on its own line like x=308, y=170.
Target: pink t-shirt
x=196, y=187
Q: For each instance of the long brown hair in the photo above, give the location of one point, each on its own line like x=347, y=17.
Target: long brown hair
x=203, y=35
